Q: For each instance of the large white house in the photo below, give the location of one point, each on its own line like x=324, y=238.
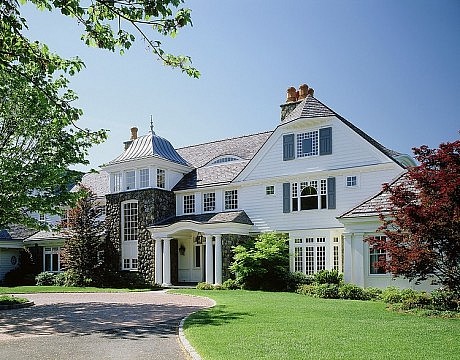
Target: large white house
x=174, y=214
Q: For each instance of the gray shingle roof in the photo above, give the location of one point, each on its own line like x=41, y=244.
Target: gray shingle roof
x=46, y=236
x=244, y=147
x=311, y=107
x=16, y=232
x=379, y=203
x=150, y=146
x=97, y=182
x=239, y=217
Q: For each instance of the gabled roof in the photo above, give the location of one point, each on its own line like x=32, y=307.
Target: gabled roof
x=377, y=204
x=97, y=182
x=47, y=236
x=310, y=107
x=150, y=146
x=238, y=217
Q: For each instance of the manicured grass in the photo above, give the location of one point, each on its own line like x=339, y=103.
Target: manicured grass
x=259, y=325
x=11, y=300
x=60, y=289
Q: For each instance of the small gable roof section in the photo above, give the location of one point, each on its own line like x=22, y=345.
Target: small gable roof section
x=377, y=204
x=310, y=107
x=150, y=146
x=208, y=174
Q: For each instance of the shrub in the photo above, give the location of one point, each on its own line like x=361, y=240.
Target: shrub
x=307, y=289
x=445, y=300
x=418, y=300
x=373, y=293
x=264, y=264
x=60, y=279
x=391, y=295
x=231, y=284
x=352, y=292
x=328, y=277
x=296, y=279
x=327, y=291
x=45, y=279
x=204, y=286
x=11, y=300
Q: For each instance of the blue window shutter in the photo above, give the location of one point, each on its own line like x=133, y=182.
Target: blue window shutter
x=331, y=193
x=288, y=147
x=307, y=146
x=325, y=141
x=286, y=197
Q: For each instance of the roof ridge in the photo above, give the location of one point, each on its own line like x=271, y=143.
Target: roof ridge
x=230, y=138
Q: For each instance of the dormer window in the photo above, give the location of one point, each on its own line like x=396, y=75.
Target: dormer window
x=224, y=159
x=307, y=144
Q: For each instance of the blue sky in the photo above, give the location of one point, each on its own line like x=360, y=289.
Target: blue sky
x=390, y=67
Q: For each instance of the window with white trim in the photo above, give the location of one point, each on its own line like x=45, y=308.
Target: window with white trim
x=117, y=182
x=209, y=202
x=52, y=259
x=352, y=181
x=130, y=177
x=231, y=199
x=134, y=263
x=130, y=220
x=376, y=258
x=336, y=254
x=309, y=255
x=306, y=195
x=224, y=159
x=270, y=190
x=144, y=178
x=161, y=178
x=126, y=264
x=42, y=217
x=307, y=144
x=189, y=204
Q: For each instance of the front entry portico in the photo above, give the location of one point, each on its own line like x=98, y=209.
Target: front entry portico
x=199, y=246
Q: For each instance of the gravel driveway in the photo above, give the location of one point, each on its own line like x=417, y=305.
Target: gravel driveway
x=97, y=326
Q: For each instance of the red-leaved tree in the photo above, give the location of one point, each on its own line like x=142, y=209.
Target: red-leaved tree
x=422, y=226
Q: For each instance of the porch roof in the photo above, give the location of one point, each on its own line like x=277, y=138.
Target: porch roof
x=238, y=217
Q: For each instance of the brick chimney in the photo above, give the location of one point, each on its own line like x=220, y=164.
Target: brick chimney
x=134, y=131
x=293, y=98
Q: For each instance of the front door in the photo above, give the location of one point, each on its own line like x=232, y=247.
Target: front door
x=191, y=261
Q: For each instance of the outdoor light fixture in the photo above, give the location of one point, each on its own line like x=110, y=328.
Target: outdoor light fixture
x=199, y=238
x=182, y=249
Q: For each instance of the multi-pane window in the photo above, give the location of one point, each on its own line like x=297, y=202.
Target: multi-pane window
x=352, y=181
x=336, y=254
x=161, y=178
x=144, y=178
x=42, y=217
x=231, y=199
x=377, y=258
x=270, y=190
x=310, y=255
x=209, y=202
x=117, y=181
x=52, y=259
x=307, y=144
x=126, y=263
x=134, y=263
x=307, y=195
x=130, y=177
x=189, y=204
x=130, y=216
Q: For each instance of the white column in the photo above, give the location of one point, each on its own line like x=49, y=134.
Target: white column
x=166, y=262
x=209, y=262
x=218, y=256
x=347, y=258
x=358, y=259
x=158, y=262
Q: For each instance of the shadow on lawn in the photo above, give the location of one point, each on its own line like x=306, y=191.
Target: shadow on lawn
x=111, y=320
x=215, y=316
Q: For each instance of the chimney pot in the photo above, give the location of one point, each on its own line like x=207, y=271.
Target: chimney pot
x=291, y=94
x=303, y=91
x=311, y=91
x=134, y=133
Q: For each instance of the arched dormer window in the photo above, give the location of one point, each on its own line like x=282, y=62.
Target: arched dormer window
x=224, y=159
x=309, y=198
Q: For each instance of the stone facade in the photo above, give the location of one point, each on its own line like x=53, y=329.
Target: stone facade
x=228, y=242
x=153, y=205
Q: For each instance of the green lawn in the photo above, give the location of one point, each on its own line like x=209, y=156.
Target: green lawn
x=260, y=325
x=59, y=289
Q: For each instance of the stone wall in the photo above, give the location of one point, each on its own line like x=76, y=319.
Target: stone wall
x=153, y=205
x=228, y=242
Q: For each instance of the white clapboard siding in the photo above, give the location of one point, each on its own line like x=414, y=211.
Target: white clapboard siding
x=5, y=261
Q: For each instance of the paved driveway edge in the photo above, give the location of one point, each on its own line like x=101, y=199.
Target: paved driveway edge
x=184, y=342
